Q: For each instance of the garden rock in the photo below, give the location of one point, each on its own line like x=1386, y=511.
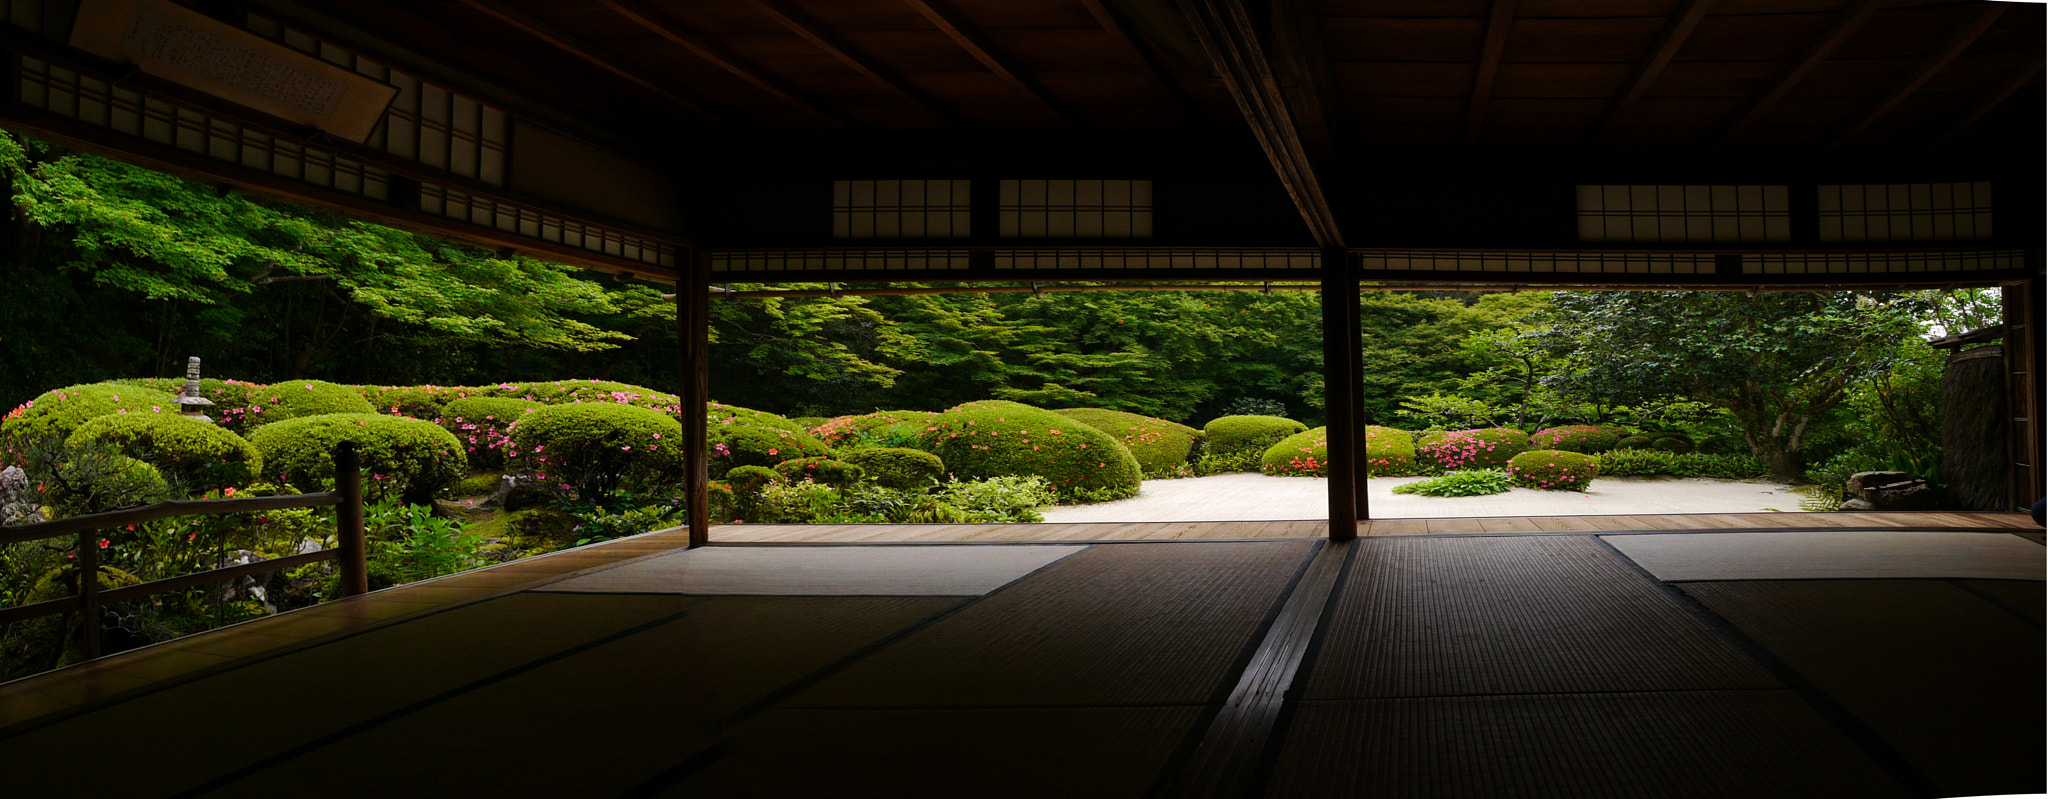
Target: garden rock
x=516, y=493
x=1906, y=495
x=1857, y=504
x=16, y=507
x=1861, y=480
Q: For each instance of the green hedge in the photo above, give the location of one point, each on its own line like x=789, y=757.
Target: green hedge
x=900, y=468
x=826, y=471
x=55, y=414
x=293, y=399
x=1552, y=469
x=1486, y=448
x=1581, y=438
x=570, y=392
x=418, y=402
x=1229, y=435
x=881, y=428
x=599, y=448
x=1650, y=463
x=746, y=437
x=409, y=458
x=995, y=438
x=484, y=426
x=1162, y=448
x=1388, y=453
x=200, y=455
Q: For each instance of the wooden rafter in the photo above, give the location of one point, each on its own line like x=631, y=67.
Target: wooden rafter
x=1991, y=99
x=965, y=37
x=539, y=29
x=668, y=28
x=1298, y=54
x=1226, y=34
x=1958, y=40
x=1647, y=71
x=1852, y=18
x=1497, y=24
x=795, y=22
x=1134, y=52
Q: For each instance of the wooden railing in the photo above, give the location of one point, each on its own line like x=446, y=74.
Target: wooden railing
x=350, y=550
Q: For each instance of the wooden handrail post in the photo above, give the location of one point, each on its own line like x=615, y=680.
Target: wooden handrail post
x=89, y=591
x=354, y=559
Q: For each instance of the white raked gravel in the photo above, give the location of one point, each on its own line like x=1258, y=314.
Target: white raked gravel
x=1256, y=497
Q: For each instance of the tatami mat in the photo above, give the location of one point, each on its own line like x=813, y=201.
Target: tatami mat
x=2027, y=598
x=823, y=571
x=1455, y=616
x=1833, y=555
x=271, y=706
x=1950, y=681
x=1130, y=624
x=604, y=720
x=1666, y=745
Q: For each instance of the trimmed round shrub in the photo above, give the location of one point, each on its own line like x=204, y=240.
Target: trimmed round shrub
x=1556, y=470
x=1672, y=442
x=1388, y=453
x=409, y=458
x=1638, y=441
x=820, y=470
x=743, y=437
x=484, y=426
x=97, y=480
x=232, y=400
x=293, y=399
x=1229, y=435
x=418, y=402
x=1582, y=438
x=749, y=479
x=1487, y=448
x=55, y=414
x=569, y=392
x=995, y=438
x=900, y=468
x=881, y=428
x=200, y=455
x=719, y=415
x=1161, y=447
x=599, y=448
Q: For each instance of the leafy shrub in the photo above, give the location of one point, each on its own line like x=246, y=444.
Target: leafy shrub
x=570, y=392
x=295, y=399
x=881, y=428
x=720, y=415
x=1637, y=441
x=1553, y=469
x=827, y=471
x=410, y=458
x=994, y=438
x=92, y=478
x=1488, y=448
x=195, y=453
x=996, y=500
x=1651, y=462
x=1255, y=406
x=598, y=448
x=1215, y=463
x=1162, y=448
x=1464, y=483
x=418, y=402
x=484, y=426
x=1388, y=453
x=1229, y=435
x=55, y=414
x=749, y=479
x=596, y=524
x=408, y=543
x=743, y=437
x=232, y=400
x=1581, y=438
x=897, y=467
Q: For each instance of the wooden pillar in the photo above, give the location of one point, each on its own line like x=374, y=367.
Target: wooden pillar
x=2023, y=302
x=1356, y=348
x=1340, y=393
x=693, y=324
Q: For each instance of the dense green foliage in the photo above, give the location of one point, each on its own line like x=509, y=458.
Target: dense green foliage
x=1228, y=435
x=900, y=468
x=1163, y=448
x=419, y=402
x=1651, y=462
x=196, y=454
x=745, y=437
x=878, y=429
x=1463, y=483
x=994, y=438
x=55, y=414
x=1472, y=449
x=293, y=399
x=484, y=426
x=599, y=448
x=1553, y=469
x=1388, y=453
x=1582, y=438
x=408, y=458
x=824, y=471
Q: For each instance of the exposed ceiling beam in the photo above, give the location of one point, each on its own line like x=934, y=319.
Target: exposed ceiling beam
x=539, y=29
x=1647, y=71
x=1489, y=65
x=667, y=27
x=1852, y=18
x=1299, y=58
x=795, y=22
x=965, y=37
x=1958, y=40
x=1134, y=52
x=1991, y=99
x=1226, y=34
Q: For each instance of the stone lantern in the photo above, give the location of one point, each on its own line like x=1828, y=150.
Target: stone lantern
x=190, y=404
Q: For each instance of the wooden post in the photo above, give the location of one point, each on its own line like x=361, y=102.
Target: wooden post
x=1340, y=394
x=89, y=591
x=1354, y=344
x=354, y=557
x=693, y=323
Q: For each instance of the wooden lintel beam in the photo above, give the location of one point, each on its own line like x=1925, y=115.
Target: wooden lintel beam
x=1838, y=32
x=1647, y=71
x=1134, y=52
x=539, y=29
x=1957, y=41
x=1226, y=34
x=795, y=22
x=1991, y=99
x=1497, y=24
x=967, y=40
x=1298, y=53
x=668, y=28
